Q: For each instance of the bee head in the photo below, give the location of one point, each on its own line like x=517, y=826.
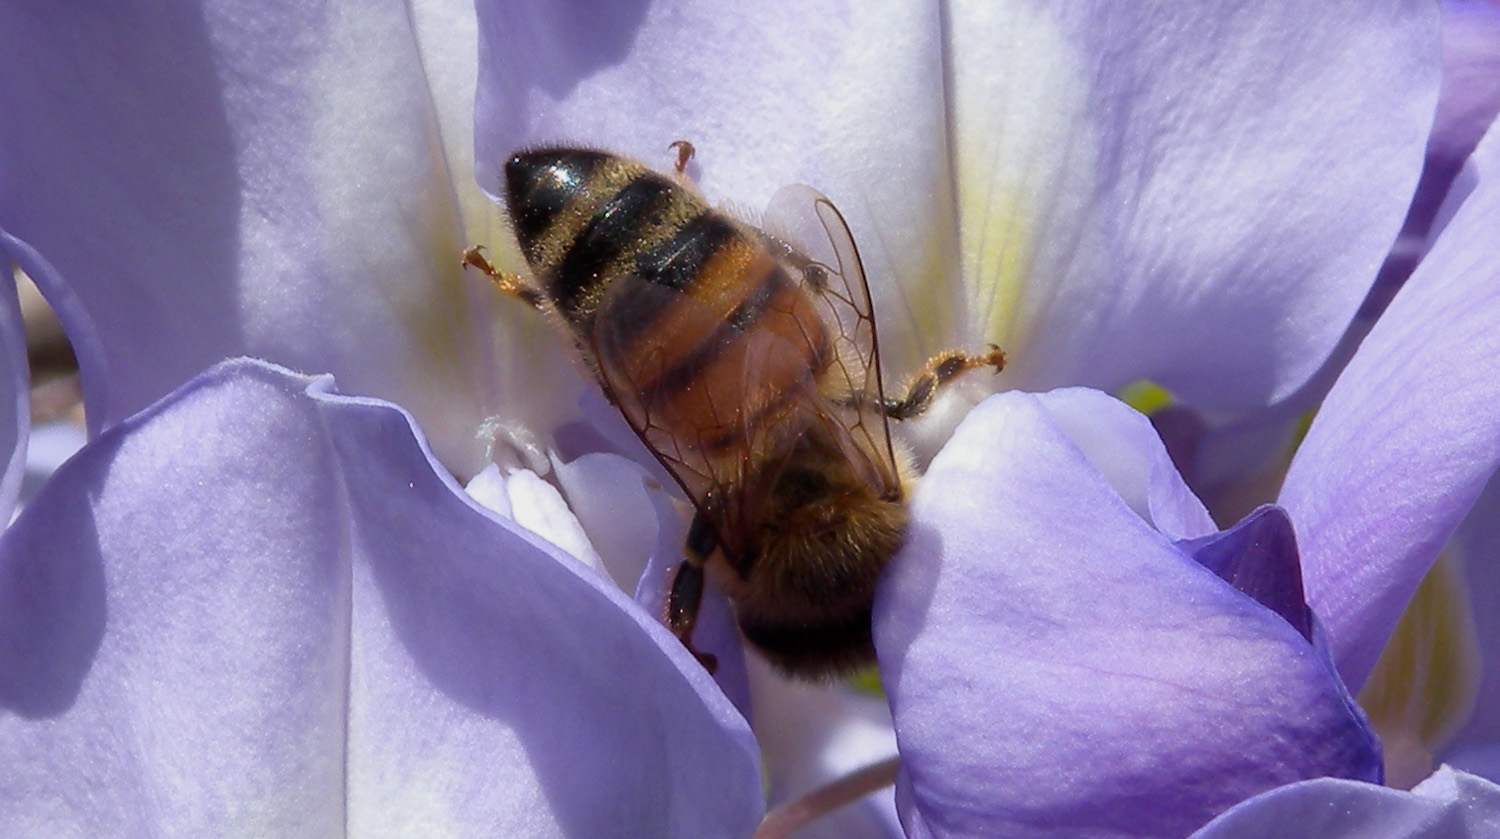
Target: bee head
x=806, y=595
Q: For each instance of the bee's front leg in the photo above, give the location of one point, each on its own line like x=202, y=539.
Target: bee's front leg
x=941, y=369
x=686, y=595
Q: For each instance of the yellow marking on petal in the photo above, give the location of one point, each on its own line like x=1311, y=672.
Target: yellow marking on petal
x=867, y=681
x=1425, y=684
x=437, y=320
x=1025, y=157
x=1304, y=423
x=929, y=302
x=997, y=256
x=1145, y=396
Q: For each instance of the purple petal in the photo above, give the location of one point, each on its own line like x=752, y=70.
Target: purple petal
x=1482, y=760
x=1475, y=547
x=641, y=533
x=1449, y=805
x=1127, y=452
x=15, y=390
x=811, y=735
x=212, y=181
x=716, y=634
x=1238, y=465
x=597, y=684
x=1056, y=667
x=1258, y=556
x=1470, y=97
x=256, y=608
x=1407, y=437
x=1468, y=104
x=610, y=496
x=88, y=351
x=1173, y=193
x=48, y=446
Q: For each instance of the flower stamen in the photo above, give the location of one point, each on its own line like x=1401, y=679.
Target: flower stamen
x=792, y=816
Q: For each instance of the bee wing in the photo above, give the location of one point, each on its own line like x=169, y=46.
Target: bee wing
x=692, y=388
x=633, y=363
x=813, y=237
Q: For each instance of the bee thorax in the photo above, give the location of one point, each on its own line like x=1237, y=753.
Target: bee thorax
x=806, y=598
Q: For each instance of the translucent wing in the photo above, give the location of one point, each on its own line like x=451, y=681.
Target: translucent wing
x=710, y=399
x=813, y=237
x=723, y=374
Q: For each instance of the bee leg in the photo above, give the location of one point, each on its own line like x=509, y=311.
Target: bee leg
x=685, y=153
x=941, y=369
x=682, y=610
x=687, y=589
x=508, y=283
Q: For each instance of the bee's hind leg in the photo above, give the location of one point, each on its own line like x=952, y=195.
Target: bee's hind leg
x=685, y=152
x=941, y=369
x=508, y=283
x=686, y=594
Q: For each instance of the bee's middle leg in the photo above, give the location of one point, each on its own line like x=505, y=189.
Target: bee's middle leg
x=941, y=369
x=508, y=283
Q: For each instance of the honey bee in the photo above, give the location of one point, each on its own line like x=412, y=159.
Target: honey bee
x=750, y=367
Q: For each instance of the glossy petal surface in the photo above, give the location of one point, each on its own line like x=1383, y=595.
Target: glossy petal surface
x=1181, y=192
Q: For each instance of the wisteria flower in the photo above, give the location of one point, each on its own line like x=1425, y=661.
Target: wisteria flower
x=253, y=604
x=1425, y=695
x=1468, y=103
x=1400, y=453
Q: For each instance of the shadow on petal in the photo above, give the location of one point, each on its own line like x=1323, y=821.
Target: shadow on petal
x=558, y=45
x=1258, y=556
x=123, y=171
x=516, y=632
x=52, y=603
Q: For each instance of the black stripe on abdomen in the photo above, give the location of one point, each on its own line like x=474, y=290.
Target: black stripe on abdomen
x=541, y=184
x=673, y=264
x=742, y=319
x=677, y=262
x=612, y=231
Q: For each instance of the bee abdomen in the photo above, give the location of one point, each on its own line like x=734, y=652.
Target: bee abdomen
x=595, y=258
x=542, y=185
x=676, y=263
x=700, y=324
x=584, y=219
x=735, y=347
